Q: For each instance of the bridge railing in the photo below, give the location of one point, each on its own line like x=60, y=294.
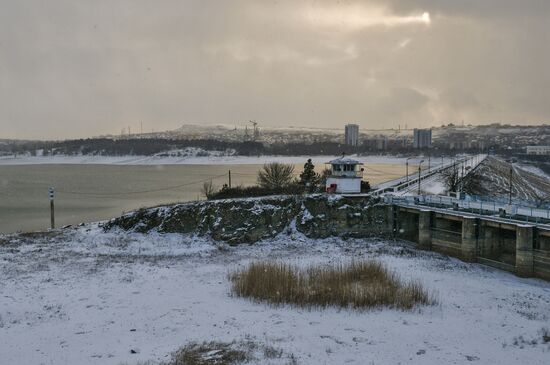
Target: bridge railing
x=505, y=200
x=482, y=207
x=412, y=179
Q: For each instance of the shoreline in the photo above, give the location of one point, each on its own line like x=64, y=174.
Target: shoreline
x=189, y=160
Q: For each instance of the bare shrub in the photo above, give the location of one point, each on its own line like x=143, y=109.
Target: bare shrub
x=208, y=189
x=359, y=284
x=209, y=353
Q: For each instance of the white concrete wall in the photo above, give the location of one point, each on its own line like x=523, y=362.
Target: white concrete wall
x=345, y=185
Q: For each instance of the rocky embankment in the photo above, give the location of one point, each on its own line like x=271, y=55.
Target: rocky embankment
x=249, y=220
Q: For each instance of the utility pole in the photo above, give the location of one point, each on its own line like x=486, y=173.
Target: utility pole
x=462, y=179
x=52, y=210
x=407, y=167
x=229, y=179
x=419, y=170
x=455, y=175
x=511, y=173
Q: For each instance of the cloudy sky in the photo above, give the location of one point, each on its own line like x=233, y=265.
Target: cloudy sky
x=80, y=68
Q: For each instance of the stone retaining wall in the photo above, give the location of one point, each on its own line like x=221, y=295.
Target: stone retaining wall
x=249, y=220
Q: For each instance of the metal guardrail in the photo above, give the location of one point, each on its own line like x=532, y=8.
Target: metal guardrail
x=482, y=207
x=506, y=201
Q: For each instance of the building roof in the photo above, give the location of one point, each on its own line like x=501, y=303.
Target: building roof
x=344, y=160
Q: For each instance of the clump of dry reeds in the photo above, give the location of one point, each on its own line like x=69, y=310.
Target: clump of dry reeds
x=357, y=284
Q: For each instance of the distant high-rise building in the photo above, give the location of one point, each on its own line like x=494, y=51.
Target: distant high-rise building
x=376, y=143
x=352, y=134
x=422, y=138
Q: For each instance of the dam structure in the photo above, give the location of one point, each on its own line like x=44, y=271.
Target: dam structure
x=507, y=243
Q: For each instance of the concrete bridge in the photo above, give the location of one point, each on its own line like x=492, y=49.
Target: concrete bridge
x=518, y=247
x=409, y=184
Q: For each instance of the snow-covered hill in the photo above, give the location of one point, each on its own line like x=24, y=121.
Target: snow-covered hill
x=526, y=185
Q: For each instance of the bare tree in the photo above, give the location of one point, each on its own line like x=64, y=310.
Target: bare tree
x=451, y=178
x=470, y=184
x=275, y=175
x=208, y=189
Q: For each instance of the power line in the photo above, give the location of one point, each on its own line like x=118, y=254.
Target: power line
x=382, y=172
x=140, y=191
x=243, y=174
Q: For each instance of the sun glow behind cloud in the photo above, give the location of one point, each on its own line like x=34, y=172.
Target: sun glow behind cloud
x=352, y=18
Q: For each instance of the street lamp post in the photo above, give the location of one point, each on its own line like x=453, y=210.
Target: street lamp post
x=407, y=167
x=419, y=172
x=455, y=174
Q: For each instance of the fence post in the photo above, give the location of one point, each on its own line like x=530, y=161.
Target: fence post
x=52, y=208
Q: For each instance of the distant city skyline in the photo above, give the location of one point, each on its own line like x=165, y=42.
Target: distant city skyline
x=76, y=69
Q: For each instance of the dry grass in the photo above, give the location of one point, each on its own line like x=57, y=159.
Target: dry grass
x=358, y=284
x=227, y=353
x=209, y=353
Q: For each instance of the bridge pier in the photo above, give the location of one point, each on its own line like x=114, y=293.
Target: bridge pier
x=524, y=250
x=424, y=229
x=391, y=218
x=469, y=239
x=509, y=245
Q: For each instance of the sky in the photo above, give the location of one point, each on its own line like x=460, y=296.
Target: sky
x=83, y=68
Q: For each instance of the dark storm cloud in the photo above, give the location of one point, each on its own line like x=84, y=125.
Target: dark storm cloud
x=76, y=68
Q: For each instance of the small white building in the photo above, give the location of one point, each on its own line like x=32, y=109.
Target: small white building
x=346, y=175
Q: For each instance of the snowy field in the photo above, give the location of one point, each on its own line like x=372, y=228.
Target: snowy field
x=210, y=159
x=88, y=297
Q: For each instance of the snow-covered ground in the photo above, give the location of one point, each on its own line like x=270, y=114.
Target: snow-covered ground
x=88, y=297
x=210, y=159
x=534, y=170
